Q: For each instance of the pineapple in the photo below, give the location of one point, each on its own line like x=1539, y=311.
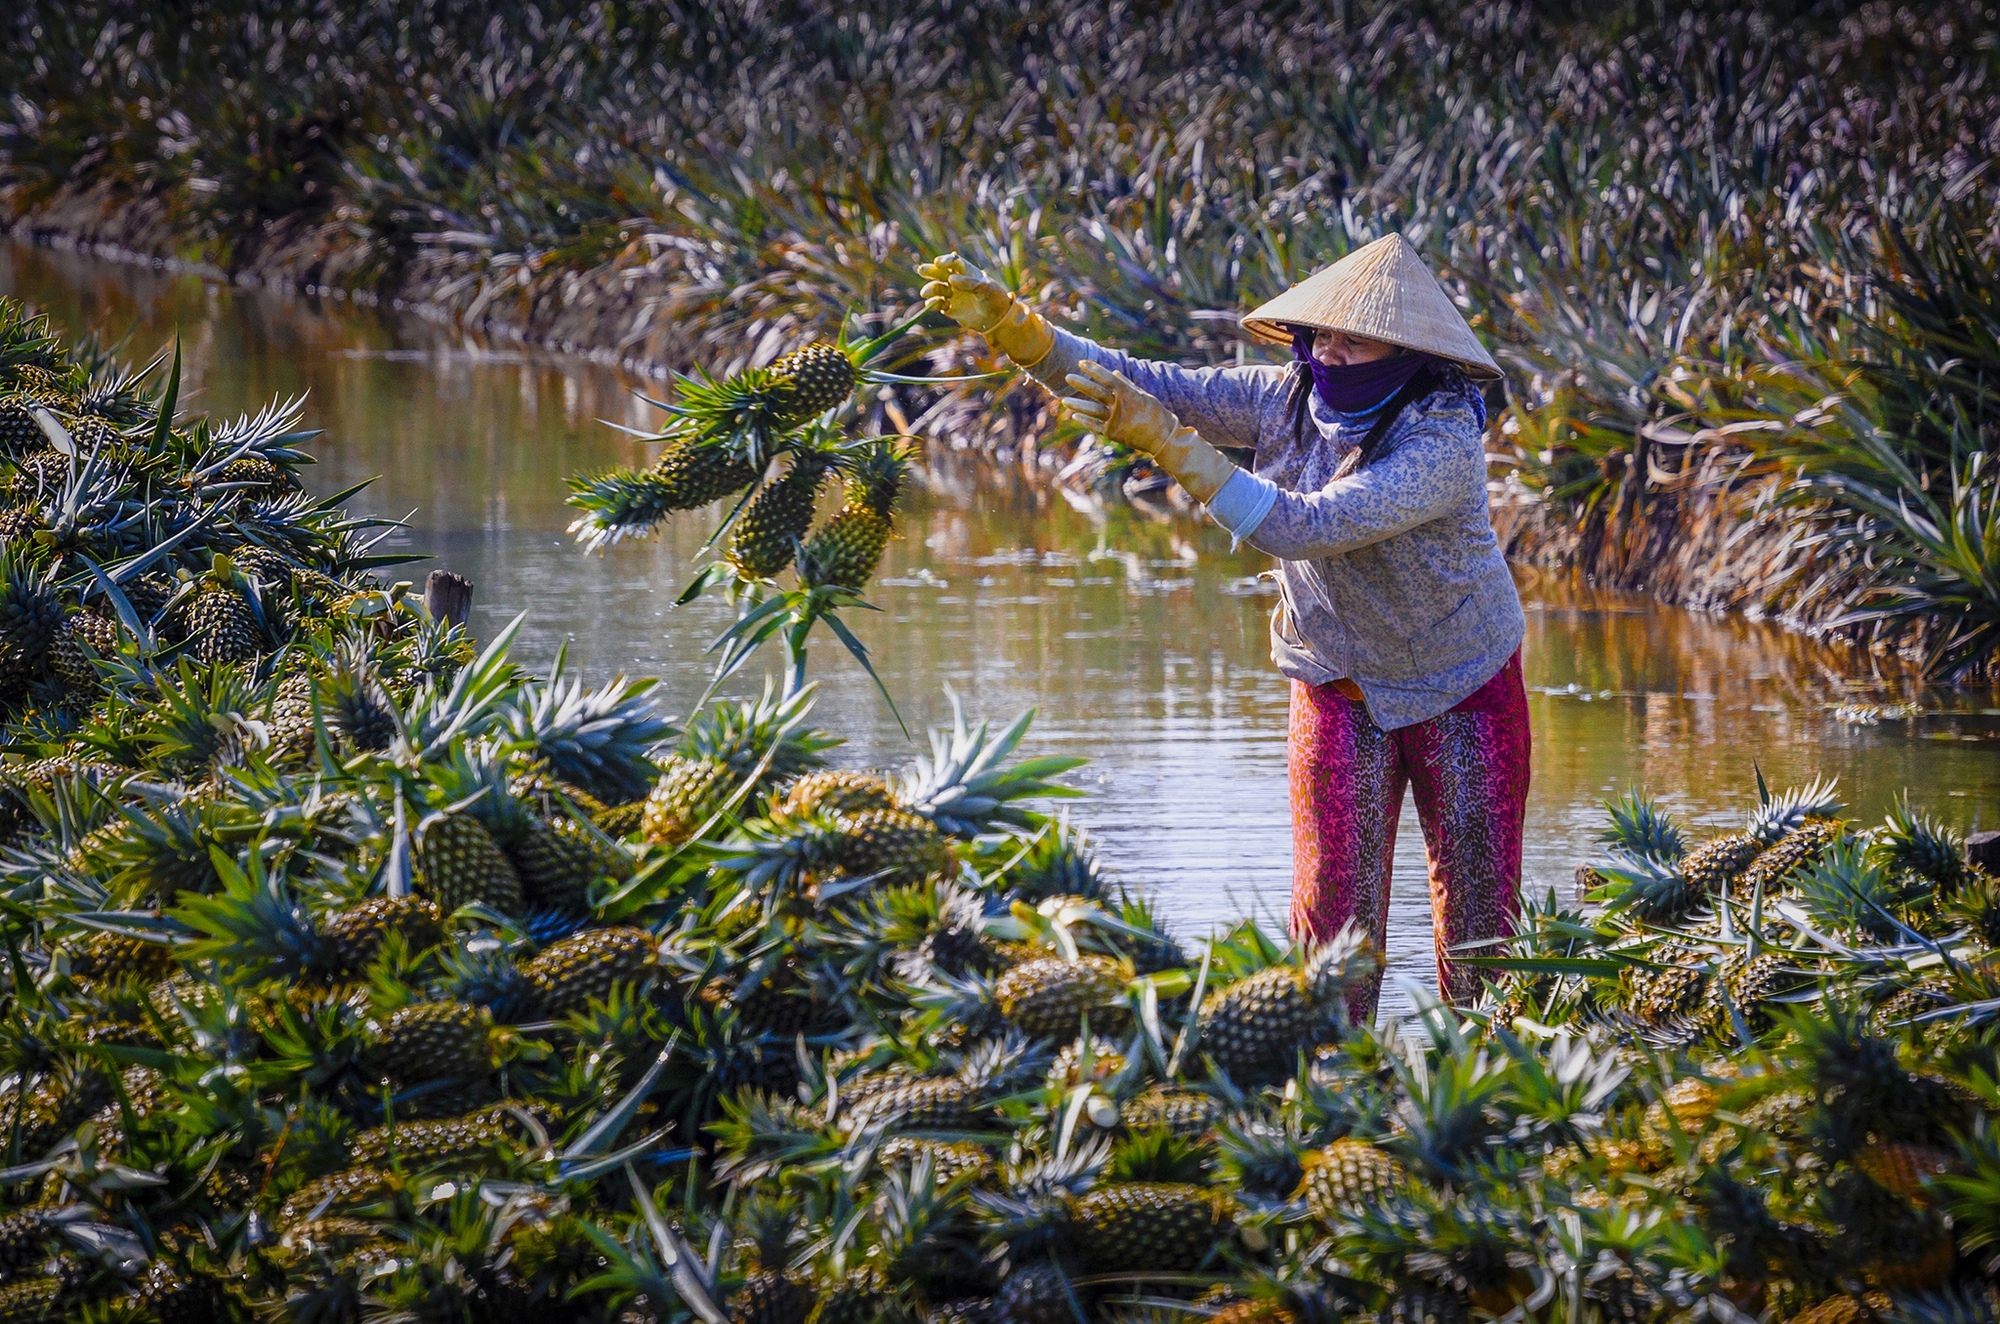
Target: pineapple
x=1048, y=998
x=1347, y=1177
x=32, y=1299
x=221, y=624
x=811, y=380
x=1657, y=997
x=1183, y=1112
x=577, y=971
x=1036, y=1294
x=891, y=844
x=837, y=791
x=689, y=473
x=1712, y=868
x=82, y=638
x=458, y=863
x=1684, y=1110
x=1795, y=851
x=1132, y=1227
x=353, y=936
x=30, y=619
x=949, y=1159
x=768, y=532
x=847, y=548
x=1254, y=1029
x=722, y=747
x=1914, y=844
x=351, y=1188
x=24, y=1236
x=558, y=858
x=431, y=1040
x=937, y=1103
x=111, y=956
x=769, y=1293
x=419, y=1145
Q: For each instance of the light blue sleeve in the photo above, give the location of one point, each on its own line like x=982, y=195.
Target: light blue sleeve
x=1225, y=405
x=1243, y=503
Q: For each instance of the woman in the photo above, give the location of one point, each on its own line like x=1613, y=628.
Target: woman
x=1398, y=623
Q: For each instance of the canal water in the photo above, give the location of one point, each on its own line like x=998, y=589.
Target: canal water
x=1140, y=641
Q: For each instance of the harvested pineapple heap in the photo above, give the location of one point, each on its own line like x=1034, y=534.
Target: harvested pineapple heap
x=355, y=976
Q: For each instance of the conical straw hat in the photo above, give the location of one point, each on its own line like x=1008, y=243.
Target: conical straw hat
x=1382, y=291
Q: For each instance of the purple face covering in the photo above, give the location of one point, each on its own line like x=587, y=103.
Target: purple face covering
x=1356, y=388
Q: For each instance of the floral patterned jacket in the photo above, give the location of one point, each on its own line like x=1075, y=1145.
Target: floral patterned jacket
x=1390, y=576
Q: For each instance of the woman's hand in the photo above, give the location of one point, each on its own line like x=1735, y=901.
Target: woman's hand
x=964, y=293
x=1112, y=406
x=977, y=302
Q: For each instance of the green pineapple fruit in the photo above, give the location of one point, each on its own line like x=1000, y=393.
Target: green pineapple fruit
x=895, y=844
x=31, y=1300
x=769, y=1293
x=725, y=744
x=811, y=380
x=558, y=858
x=24, y=1239
x=1036, y=1294
x=1796, y=850
x=356, y=705
x=949, y=1159
x=1132, y=1227
x=1183, y=1112
x=221, y=624
x=768, y=532
x=846, y=549
x=458, y=863
x=579, y=970
x=447, y=1140
x=354, y=935
x=861, y=1297
x=81, y=638
x=30, y=618
x=934, y=1103
x=351, y=1188
x=1048, y=998
x=1656, y=997
x=1347, y=1177
x=433, y=1040
x=1714, y=866
x=1254, y=1028
x=690, y=472
x=254, y=470
x=166, y=1295
x=113, y=956
x=837, y=791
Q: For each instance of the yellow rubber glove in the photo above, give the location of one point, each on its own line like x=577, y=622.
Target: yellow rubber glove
x=1108, y=404
x=977, y=302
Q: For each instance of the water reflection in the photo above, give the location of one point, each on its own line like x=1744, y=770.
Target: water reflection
x=1142, y=642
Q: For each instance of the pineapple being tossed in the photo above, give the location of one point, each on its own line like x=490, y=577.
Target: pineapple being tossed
x=724, y=432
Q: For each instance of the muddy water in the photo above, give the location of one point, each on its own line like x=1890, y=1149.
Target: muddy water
x=1141, y=642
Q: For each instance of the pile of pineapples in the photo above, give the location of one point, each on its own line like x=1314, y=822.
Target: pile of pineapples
x=357, y=974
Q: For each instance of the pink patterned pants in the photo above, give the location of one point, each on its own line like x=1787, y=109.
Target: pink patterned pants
x=1469, y=768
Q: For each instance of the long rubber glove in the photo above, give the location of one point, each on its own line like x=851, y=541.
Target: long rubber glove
x=977, y=302
x=1110, y=405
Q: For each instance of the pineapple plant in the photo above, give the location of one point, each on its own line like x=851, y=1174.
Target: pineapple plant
x=1913, y=844
x=470, y=1139
x=573, y=973
x=845, y=550
x=769, y=531
x=688, y=474
x=762, y=741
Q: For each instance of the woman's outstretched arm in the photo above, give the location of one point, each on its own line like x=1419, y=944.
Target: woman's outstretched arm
x=1223, y=404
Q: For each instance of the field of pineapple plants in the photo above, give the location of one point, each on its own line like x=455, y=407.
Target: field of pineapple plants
x=356, y=974
x=1738, y=260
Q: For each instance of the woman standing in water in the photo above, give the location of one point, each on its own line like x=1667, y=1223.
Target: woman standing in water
x=1398, y=623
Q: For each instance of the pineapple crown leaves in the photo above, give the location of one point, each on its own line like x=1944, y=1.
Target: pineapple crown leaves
x=963, y=789
x=1058, y=860
x=1911, y=841
x=766, y=736
x=194, y=711
x=1776, y=815
x=471, y=706
x=875, y=470
x=1461, y=1242
x=1647, y=887
x=601, y=740
x=761, y=1135
x=254, y=923
x=30, y=609
x=273, y=434
x=1640, y=827
x=1158, y=1155
x=1341, y=964
x=1849, y=888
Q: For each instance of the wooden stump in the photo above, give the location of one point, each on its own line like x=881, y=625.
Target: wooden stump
x=447, y=596
x=1983, y=849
